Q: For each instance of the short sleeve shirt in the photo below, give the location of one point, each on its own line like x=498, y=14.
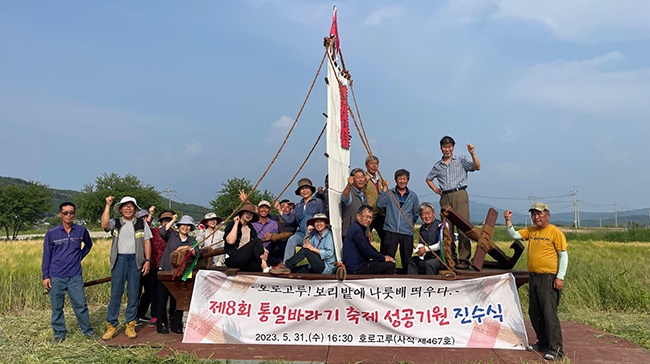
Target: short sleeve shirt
x=543, y=248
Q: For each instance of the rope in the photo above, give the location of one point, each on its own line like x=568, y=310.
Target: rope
x=302, y=107
x=303, y=163
x=284, y=142
x=362, y=135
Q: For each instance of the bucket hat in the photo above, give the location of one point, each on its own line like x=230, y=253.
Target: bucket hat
x=124, y=200
x=167, y=214
x=305, y=182
x=318, y=216
x=186, y=220
x=247, y=206
x=210, y=216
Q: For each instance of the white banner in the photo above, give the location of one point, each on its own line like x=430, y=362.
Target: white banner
x=476, y=313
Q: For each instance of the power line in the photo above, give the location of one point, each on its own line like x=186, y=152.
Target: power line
x=170, y=192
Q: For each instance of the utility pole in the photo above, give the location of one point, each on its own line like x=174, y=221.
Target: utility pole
x=576, y=215
x=615, y=215
x=531, y=198
x=170, y=192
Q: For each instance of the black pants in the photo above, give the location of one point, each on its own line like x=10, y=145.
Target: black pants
x=376, y=268
x=315, y=261
x=145, y=294
x=378, y=225
x=276, y=249
x=543, y=300
x=429, y=265
x=161, y=315
x=405, y=242
x=247, y=258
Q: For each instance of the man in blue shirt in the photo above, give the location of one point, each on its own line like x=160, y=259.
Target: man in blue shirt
x=399, y=220
x=61, y=268
x=451, y=173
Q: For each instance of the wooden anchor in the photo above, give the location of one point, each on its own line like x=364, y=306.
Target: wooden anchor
x=485, y=245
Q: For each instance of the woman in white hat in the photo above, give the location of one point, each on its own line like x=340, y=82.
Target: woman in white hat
x=174, y=239
x=318, y=248
x=211, y=237
x=245, y=250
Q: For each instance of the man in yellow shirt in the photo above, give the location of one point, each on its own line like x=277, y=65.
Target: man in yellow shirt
x=547, y=264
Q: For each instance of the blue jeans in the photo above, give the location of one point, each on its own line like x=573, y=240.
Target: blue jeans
x=75, y=287
x=295, y=240
x=126, y=272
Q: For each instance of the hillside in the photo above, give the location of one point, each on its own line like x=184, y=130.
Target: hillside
x=641, y=217
x=59, y=196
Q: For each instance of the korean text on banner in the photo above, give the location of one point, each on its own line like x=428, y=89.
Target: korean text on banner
x=477, y=313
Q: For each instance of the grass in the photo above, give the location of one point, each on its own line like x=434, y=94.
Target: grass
x=27, y=336
x=606, y=287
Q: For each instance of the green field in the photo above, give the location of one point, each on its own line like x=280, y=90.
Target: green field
x=607, y=286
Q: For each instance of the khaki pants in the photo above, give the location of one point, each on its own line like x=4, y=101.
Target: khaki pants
x=459, y=201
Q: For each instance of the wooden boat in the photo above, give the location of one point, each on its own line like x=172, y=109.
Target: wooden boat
x=339, y=84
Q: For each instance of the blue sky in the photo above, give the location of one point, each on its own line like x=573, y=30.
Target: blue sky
x=554, y=95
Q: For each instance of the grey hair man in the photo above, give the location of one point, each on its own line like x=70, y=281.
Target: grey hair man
x=372, y=189
x=547, y=264
x=352, y=198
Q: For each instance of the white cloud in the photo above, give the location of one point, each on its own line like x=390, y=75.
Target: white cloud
x=283, y=123
x=299, y=11
x=193, y=147
x=583, y=20
x=378, y=16
x=465, y=12
x=591, y=86
x=507, y=135
x=510, y=171
x=279, y=128
x=611, y=153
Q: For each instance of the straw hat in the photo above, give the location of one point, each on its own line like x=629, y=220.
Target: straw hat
x=318, y=216
x=305, y=182
x=250, y=208
x=211, y=216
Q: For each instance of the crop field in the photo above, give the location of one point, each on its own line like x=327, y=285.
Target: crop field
x=607, y=286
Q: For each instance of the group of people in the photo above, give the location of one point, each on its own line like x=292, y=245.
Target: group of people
x=258, y=241
x=367, y=204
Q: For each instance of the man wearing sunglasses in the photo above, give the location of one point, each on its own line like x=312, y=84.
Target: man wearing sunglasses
x=63, y=249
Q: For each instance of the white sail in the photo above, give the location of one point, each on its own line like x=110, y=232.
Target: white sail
x=338, y=146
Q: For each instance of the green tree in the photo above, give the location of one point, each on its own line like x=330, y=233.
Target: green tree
x=228, y=197
x=92, y=199
x=21, y=206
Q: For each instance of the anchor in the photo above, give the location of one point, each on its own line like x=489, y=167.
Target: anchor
x=483, y=238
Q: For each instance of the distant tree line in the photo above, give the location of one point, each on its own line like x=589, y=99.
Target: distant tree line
x=21, y=206
x=24, y=204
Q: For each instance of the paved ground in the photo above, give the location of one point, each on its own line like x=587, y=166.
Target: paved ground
x=582, y=344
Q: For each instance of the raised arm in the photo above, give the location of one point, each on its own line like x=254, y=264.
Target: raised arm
x=512, y=233
x=106, y=215
x=475, y=162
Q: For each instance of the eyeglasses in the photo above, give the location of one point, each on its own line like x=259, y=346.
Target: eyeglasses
x=66, y=213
